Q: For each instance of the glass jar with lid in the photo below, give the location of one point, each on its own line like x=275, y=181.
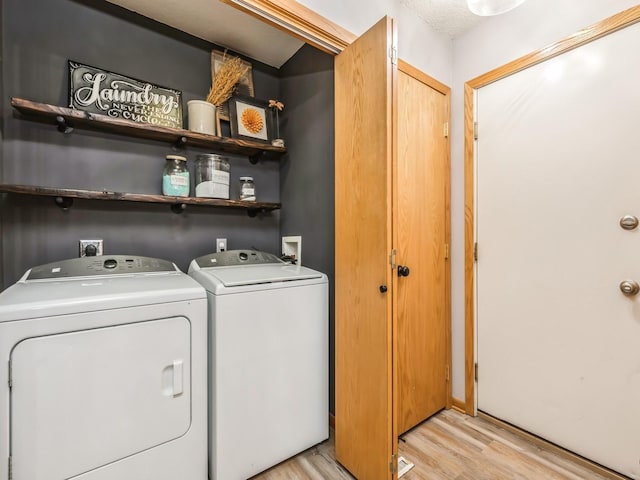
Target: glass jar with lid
x=175, y=176
x=247, y=189
x=212, y=176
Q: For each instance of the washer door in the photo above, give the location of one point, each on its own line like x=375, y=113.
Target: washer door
x=84, y=399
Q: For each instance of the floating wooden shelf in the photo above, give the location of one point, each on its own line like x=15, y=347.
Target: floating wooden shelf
x=67, y=119
x=64, y=198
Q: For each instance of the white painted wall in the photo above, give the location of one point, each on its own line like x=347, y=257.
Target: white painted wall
x=418, y=44
x=501, y=39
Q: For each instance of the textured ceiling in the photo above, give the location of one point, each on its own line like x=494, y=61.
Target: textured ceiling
x=451, y=17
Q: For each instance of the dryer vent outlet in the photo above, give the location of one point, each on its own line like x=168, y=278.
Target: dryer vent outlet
x=90, y=248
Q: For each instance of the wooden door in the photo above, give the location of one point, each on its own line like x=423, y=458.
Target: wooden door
x=422, y=181
x=364, y=143
x=557, y=156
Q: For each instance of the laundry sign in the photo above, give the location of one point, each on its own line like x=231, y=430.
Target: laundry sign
x=98, y=91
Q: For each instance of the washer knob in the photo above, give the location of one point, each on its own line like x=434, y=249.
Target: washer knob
x=110, y=263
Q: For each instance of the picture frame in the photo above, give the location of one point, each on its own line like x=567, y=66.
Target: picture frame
x=246, y=115
x=244, y=87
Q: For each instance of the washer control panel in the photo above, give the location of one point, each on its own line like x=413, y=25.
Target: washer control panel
x=103, y=265
x=236, y=257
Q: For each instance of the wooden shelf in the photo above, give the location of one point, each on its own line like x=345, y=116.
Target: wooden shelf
x=64, y=198
x=67, y=119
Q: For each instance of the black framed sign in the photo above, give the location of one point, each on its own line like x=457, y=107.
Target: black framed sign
x=250, y=118
x=98, y=91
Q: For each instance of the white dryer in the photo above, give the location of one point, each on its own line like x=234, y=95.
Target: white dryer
x=106, y=374
x=269, y=360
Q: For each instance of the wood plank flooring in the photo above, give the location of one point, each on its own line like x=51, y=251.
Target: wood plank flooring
x=449, y=446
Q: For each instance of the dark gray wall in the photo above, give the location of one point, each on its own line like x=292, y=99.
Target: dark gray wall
x=38, y=37
x=307, y=172
x=2, y=103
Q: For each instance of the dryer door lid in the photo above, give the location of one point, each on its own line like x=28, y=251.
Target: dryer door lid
x=82, y=400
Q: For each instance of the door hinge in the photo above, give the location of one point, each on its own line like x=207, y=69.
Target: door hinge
x=446, y=129
x=475, y=252
x=446, y=251
x=475, y=130
x=393, y=464
x=475, y=371
x=393, y=55
x=10, y=468
x=392, y=258
x=10, y=375
x=446, y=373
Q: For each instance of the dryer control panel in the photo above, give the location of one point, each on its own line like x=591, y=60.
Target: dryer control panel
x=236, y=257
x=105, y=265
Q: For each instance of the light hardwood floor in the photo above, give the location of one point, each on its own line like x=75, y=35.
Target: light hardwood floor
x=449, y=446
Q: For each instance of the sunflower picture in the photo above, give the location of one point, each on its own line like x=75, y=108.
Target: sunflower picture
x=252, y=120
x=249, y=118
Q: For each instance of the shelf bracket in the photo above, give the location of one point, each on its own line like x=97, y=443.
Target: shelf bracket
x=63, y=126
x=253, y=212
x=178, y=207
x=256, y=157
x=181, y=143
x=64, y=202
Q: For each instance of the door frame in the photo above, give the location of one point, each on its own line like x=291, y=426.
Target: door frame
x=299, y=21
x=582, y=37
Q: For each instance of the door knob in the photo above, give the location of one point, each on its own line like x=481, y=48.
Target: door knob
x=403, y=271
x=383, y=289
x=629, y=287
x=629, y=222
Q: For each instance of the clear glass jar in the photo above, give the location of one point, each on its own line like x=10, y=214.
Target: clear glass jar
x=247, y=189
x=175, y=176
x=212, y=176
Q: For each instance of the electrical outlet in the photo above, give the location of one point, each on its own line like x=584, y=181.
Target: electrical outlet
x=92, y=244
x=221, y=245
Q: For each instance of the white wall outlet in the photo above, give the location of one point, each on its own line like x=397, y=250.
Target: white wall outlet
x=93, y=245
x=292, y=248
x=221, y=245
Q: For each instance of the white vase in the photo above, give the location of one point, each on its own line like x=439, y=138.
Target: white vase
x=202, y=116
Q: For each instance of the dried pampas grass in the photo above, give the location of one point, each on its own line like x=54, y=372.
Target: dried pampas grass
x=228, y=76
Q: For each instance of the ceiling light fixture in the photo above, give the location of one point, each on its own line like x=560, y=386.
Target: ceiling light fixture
x=486, y=8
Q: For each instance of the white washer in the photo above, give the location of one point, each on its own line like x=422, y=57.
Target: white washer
x=107, y=372
x=269, y=361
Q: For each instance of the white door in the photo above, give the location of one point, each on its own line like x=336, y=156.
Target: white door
x=558, y=162
x=82, y=400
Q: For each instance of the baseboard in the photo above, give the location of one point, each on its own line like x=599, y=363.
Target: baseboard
x=573, y=457
x=459, y=405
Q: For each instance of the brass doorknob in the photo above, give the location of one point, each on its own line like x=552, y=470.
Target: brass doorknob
x=629, y=222
x=629, y=287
